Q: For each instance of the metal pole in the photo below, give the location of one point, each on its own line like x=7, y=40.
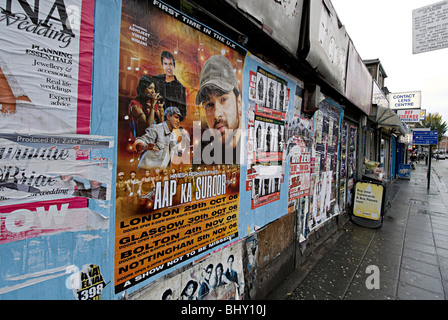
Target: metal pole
x=429, y=167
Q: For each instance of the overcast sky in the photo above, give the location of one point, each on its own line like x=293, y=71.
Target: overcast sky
x=383, y=29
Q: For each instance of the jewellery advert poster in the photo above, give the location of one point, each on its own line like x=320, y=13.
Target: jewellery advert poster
x=178, y=141
x=46, y=52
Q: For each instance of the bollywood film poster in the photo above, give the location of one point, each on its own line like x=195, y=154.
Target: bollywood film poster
x=218, y=276
x=46, y=50
x=179, y=133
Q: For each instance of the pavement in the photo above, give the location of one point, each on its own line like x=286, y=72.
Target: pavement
x=405, y=259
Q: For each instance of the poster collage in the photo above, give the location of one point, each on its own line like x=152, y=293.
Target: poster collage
x=179, y=138
x=181, y=96
x=300, y=133
x=187, y=138
x=56, y=176
x=268, y=105
x=46, y=152
x=325, y=165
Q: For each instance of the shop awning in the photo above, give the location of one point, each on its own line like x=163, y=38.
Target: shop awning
x=386, y=117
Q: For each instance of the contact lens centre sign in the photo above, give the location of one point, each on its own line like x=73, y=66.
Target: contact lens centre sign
x=405, y=100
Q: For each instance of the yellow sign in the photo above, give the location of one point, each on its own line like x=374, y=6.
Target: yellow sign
x=368, y=201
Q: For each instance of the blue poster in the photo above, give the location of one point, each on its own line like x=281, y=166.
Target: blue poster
x=268, y=98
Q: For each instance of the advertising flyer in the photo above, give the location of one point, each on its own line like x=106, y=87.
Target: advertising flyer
x=269, y=96
x=300, y=132
x=368, y=200
x=351, y=162
x=46, y=66
x=42, y=168
x=300, y=160
x=45, y=182
x=178, y=142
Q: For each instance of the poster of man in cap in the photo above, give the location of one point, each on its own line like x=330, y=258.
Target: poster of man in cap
x=189, y=155
x=219, y=95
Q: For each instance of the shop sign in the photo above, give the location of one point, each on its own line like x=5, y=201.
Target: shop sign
x=405, y=100
x=359, y=84
x=281, y=19
x=368, y=200
x=411, y=115
x=328, y=44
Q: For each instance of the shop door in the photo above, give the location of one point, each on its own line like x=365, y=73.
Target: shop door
x=385, y=156
x=394, y=159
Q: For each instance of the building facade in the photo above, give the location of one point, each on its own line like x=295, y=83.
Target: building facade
x=177, y=149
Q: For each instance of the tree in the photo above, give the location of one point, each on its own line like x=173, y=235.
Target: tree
x=434, y=121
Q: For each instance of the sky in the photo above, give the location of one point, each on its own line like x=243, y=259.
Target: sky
x=382, y=29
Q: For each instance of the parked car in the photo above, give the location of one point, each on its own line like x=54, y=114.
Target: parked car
x=440, y=156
